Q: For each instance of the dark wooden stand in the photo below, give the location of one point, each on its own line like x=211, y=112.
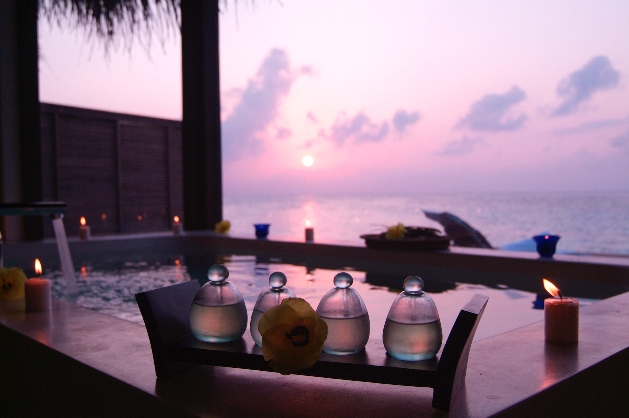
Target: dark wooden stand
x=166, y=313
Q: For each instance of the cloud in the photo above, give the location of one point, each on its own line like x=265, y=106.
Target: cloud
x=243, y=131
x=620, y=141
x=283, y=133
x=490, y=113
x=594, y=126
x=312, y=118
x=359, y=129
x=579, y=86
x=402, y=119
x=461, y=147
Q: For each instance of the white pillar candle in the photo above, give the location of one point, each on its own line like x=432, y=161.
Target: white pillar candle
x=85, y=232
x=561, y=317
x=37, y=292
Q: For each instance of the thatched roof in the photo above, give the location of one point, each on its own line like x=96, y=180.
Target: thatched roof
x=115, y=22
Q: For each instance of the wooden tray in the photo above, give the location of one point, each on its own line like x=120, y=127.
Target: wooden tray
x=407, y=244
x=166, y=313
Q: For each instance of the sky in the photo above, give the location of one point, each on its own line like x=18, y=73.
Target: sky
x=388, y=97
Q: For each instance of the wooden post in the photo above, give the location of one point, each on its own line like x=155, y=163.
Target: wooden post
x=20, y=118
x=10, y=167
x=201, y=129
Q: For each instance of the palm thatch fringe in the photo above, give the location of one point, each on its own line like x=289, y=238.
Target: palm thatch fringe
x=114, y=23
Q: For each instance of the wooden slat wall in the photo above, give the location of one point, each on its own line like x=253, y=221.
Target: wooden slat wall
x=122, y=172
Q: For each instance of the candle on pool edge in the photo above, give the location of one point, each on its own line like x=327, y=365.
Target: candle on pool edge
x=85, y=232
x=309, y=232
x=177, y=226
x=561, y=317
x=37, y=291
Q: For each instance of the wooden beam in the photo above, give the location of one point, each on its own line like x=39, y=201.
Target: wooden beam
x=201, y=130
x=20, y=118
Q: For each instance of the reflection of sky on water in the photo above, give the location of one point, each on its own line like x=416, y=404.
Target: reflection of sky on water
x=112, y=291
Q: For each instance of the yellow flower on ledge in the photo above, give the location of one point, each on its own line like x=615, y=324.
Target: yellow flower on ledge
x=12, y=283
x=292, y=336
x=222, y=227
x=396, y=232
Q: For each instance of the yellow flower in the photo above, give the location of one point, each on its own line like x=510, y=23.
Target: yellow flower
x=292, y=336
x=12, y=283
x=396, y=232
x=222, y=227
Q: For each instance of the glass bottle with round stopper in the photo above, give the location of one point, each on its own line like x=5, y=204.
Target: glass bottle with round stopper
x=268, y=298
x=346, y=315
x=412, y=330
x=218, y=313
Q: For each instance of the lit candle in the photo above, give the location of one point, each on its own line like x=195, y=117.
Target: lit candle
x=177, y=226
x=37, y=291
x=561, y=317
x=309, y=232
x=85, y=232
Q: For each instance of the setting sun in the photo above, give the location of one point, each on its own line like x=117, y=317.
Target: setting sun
x=307, y=160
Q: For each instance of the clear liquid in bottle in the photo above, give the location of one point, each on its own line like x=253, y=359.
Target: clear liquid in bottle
x=345, y=313
x=218, y=313
x=268, y=298
x=218, y=324
x=412, y=330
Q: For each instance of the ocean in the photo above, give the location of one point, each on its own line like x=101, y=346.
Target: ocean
x=588, y=222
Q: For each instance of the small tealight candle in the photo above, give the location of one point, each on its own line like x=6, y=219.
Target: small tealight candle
x=561, y=316
x=177, y=226
x=85, y=232
x=37, y=291
x=309, y=232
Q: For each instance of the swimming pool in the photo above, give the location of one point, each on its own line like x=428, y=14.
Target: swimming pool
x=110, y=287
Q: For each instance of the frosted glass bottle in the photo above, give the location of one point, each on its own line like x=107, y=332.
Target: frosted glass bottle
x=345, y=313
x=412, y=330
x=218, y=313
x=268, y=298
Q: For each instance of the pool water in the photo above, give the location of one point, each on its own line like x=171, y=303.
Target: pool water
x=111, y=290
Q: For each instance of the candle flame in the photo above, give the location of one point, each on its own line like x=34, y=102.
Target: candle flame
x=308, y=223
x=38, y=269
x=552, y=289
x=176, y=218
x=545, y=236
x=83, y=222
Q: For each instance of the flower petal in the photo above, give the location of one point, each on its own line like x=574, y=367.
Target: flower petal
x=277, y=315
x=303, y=308
x=12, y=283
x=292, y=336
x=283, y=356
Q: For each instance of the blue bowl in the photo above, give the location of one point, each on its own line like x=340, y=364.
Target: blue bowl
x=546, y=245
x=262, y=230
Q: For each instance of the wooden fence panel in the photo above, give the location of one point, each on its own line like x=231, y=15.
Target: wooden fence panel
x=144, y=178
x=112, y=168
x=87, y=172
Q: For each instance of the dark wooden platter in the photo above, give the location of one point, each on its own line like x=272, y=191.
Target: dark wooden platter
x=166, y=313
